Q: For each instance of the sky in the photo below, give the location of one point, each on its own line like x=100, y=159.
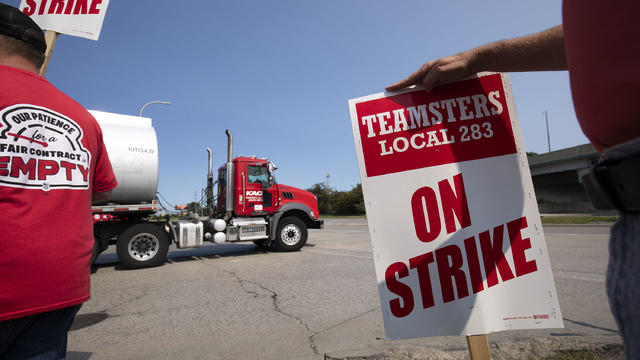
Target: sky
x=278, y=74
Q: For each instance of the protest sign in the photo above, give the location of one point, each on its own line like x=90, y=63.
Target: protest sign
x=456, y=235
x=81, y=18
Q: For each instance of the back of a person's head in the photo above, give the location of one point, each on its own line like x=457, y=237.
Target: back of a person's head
x=20, y=36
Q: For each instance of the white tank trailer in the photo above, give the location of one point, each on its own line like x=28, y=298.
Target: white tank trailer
x=133, y=150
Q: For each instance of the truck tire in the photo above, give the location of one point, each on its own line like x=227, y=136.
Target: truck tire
x=291, y=234
x=142, y=246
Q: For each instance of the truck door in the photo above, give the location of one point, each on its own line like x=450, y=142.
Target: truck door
x=261, y=194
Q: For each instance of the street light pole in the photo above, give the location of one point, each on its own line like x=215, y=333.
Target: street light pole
x=548, y=137
x=153, y=102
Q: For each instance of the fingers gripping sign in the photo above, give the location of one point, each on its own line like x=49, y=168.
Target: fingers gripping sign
x=434, y=73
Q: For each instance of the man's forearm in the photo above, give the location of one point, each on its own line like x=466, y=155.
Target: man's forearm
x=540, y=51
x=537, y=52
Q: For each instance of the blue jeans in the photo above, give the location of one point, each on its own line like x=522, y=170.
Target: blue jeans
x=37, y=337
x=623, y=280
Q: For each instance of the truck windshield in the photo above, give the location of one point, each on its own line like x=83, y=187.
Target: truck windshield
x=258, y=174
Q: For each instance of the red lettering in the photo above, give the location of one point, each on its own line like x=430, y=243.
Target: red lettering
x=43, y=4
x=68, y=167
x=425, y=205
x=493, y=256
x=81, y=7
x=450, y=263
x=474, y=264
x=4, y=161
x=67, y=9
x=451, y=269
x=31, y=7
x=454, y=204
x=18, y=166
x=56, y=7
x=94, y=7
x=421, y=264
x=84, y=171
x=518, y=247
x=46, y=168
x=399, y=309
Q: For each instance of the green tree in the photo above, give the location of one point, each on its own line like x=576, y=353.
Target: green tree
x=350, y=202
x=325, y=195
x=194, y=207
x=357, y=194
x=333, y=202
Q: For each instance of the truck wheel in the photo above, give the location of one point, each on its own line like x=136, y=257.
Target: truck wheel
x=291, y=234
x=142, y=246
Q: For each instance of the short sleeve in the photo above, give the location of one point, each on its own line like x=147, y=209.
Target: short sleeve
x=103, y=177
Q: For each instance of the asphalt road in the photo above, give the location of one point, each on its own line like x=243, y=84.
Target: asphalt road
x=233, y=301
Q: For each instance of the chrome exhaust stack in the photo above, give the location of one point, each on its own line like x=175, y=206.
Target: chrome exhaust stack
x=230, y=185
x=209, y=190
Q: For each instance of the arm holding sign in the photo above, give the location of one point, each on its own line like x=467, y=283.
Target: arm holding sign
x=536, y=52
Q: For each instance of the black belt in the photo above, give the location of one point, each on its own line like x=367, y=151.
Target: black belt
x=614, y=182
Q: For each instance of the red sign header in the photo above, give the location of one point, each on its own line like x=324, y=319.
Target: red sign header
x=467, y=120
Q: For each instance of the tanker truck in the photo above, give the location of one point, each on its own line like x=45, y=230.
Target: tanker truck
x=250, y=205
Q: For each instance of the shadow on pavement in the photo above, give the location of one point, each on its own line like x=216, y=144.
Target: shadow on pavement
x=78, y=355
x=183, y=255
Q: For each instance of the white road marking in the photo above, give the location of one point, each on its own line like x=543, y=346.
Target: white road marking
x=346, y=253
x=561, y=234
x=580, y=276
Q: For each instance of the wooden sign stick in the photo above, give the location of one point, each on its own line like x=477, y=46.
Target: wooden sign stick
x=479, y=347
x=50, y=37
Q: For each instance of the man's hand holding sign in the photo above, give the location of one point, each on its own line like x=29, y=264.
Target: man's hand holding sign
x=537, y=52
x=455, y=230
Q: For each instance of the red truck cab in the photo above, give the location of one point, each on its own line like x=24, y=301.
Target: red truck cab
x=256, y=194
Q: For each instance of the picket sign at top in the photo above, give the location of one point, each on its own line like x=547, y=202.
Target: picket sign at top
x=456, y=235
x=81, y=18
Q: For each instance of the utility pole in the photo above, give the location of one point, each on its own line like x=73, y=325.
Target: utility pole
x=548, y=137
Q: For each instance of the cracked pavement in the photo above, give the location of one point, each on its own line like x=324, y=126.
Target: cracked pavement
x=233, y=301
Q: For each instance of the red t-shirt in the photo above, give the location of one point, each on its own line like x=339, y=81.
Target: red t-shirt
x=52, y=158
x=603, y=54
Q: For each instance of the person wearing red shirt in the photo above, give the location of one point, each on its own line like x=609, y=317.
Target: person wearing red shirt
x=53, y=165
x=598, y=44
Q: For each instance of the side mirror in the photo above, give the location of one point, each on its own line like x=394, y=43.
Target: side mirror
x=271, y=167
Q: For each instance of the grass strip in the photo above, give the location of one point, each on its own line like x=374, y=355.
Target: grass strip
x=587, y=219
x=323, y=216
